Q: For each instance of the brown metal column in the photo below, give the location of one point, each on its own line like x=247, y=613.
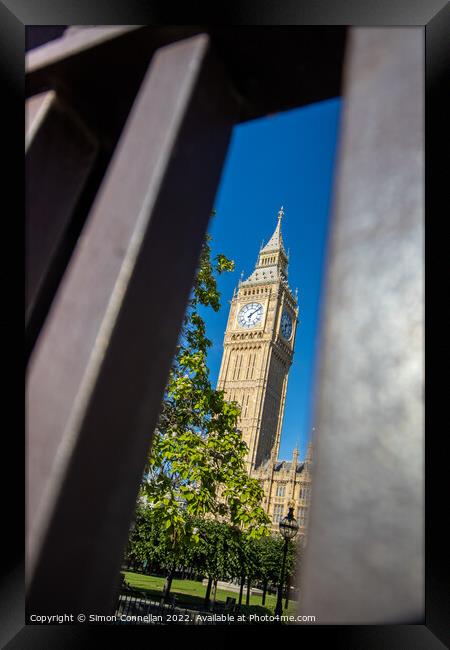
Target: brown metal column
x=364, y=561
x=60, y=156
x=98, y=370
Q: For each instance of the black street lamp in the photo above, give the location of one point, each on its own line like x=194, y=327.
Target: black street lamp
x=288, y=529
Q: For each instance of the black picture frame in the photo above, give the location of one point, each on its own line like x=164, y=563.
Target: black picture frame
x=15, y=16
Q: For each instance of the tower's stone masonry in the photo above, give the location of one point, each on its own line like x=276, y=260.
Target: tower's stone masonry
x=258, y=351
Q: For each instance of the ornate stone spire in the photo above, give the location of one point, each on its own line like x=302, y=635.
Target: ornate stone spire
x=272, y=261
x=275, y=243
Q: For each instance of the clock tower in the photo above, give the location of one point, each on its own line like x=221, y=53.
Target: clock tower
x=258, y=350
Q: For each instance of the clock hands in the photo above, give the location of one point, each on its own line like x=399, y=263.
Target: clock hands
x=253, y=312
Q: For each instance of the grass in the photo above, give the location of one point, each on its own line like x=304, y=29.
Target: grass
x=190, y=594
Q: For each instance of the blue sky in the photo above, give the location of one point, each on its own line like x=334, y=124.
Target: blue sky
x=285, y=159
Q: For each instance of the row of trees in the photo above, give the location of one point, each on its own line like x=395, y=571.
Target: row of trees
x=221, y=552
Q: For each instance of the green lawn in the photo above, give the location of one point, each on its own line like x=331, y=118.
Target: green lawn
x=191, y=594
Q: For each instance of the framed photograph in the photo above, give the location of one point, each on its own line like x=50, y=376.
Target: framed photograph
x=224, y=321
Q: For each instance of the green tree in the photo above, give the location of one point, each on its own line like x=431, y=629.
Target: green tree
x=247, y=561
x=217, y=553
x=149, y=545
x=144, y=538
x=268, y=563
x=197, y=463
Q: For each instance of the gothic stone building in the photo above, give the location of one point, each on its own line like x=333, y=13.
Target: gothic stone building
x=258, y=352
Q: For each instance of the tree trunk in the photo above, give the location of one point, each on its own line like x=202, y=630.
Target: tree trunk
x=167, y=585
x=214, y=591
x=247, y=600
x=208, y=593
x=241, y=589
x=264, y=592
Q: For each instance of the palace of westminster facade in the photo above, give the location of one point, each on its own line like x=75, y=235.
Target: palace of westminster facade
x=258, y=351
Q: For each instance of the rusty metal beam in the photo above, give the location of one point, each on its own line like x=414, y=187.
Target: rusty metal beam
x=70, y=45
x=97, y=373
x=364, y=563
x=270, y=68
x=60, y=156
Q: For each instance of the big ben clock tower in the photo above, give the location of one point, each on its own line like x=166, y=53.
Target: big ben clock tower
x=258, y=350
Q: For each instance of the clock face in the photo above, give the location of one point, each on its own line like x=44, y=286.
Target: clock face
x=250, y=314
x=286, y=326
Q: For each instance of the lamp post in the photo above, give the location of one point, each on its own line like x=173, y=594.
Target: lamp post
x=288, y=530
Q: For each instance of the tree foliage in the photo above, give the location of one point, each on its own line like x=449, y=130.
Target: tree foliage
x=196, y=468
x=217, y=553
x=223, y=552
x=269, y=554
